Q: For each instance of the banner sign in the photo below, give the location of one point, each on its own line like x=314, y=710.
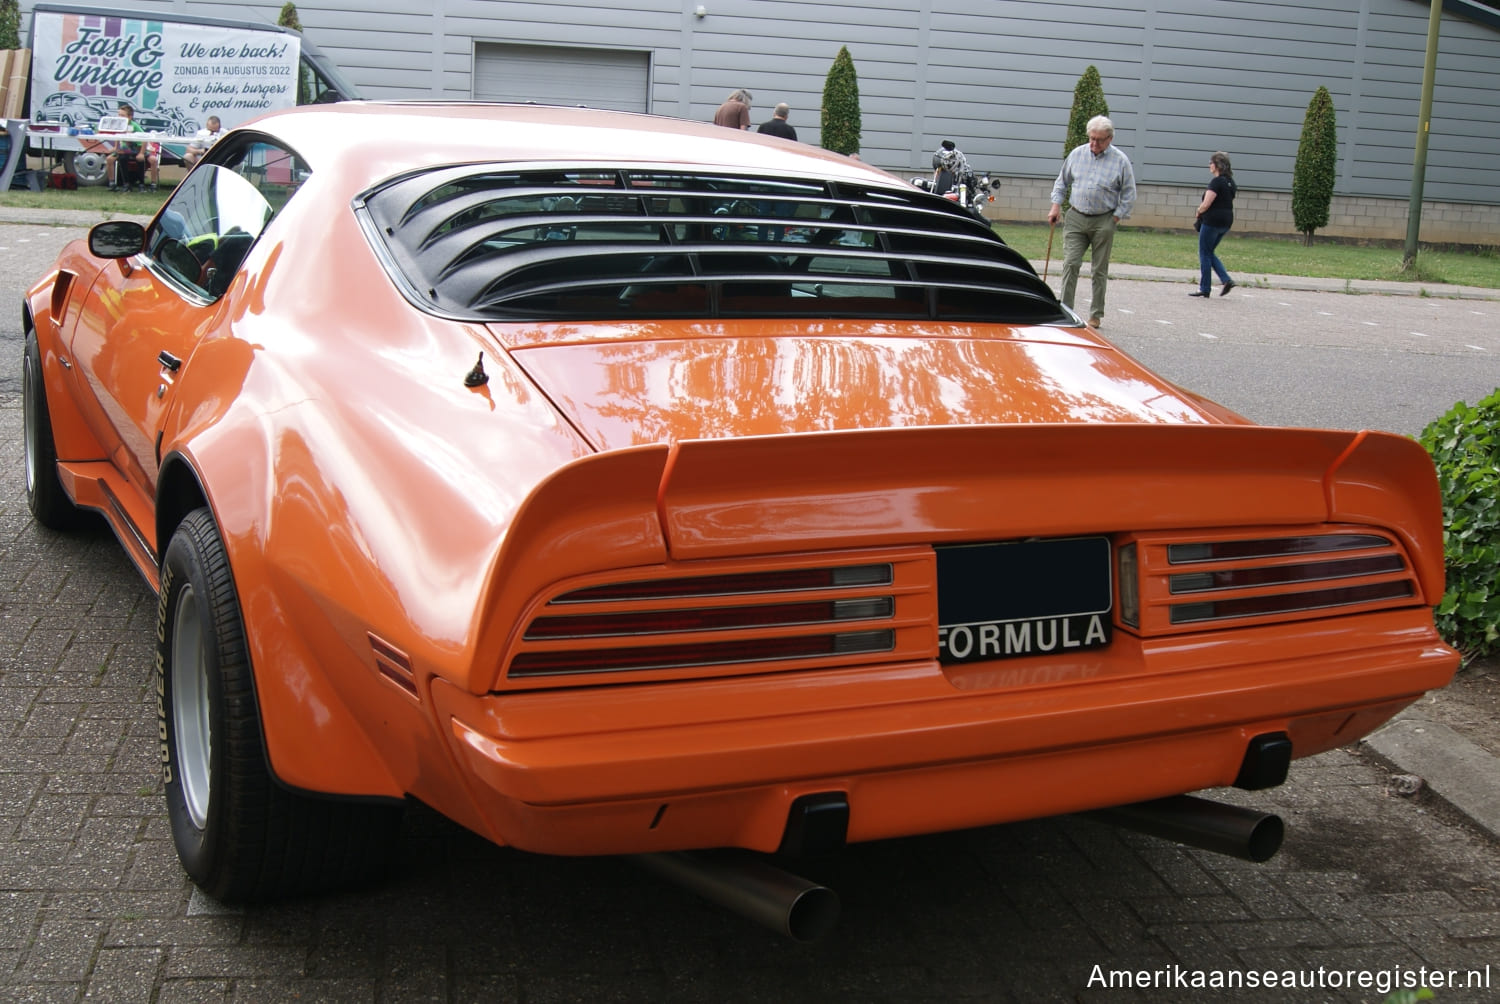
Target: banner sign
x=174, y=74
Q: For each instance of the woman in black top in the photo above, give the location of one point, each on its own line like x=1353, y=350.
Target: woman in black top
x=1215, y=217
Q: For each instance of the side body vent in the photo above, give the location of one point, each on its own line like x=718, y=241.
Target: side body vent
x=60, y=290
x=394, y=666
x=744, y=617
x=1192, y=583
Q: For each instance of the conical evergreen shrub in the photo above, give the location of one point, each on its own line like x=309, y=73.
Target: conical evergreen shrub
x=841, y=125
x=1316, y=167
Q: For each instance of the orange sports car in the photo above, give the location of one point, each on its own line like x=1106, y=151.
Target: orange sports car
x=621, y=485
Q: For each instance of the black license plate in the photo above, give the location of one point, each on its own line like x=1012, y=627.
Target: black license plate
x=1027, y=597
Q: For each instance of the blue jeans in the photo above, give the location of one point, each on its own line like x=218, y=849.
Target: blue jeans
x=1208, y=242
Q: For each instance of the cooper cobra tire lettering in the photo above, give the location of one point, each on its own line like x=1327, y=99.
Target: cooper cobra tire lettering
x=161, y=676
x=161, y=608
x=161, y=721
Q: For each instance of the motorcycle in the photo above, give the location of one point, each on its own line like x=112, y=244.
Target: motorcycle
x=973, y=192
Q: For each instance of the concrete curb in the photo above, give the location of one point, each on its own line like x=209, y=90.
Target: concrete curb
x=1453, y=769
x=65, y=217
x=1249, y=282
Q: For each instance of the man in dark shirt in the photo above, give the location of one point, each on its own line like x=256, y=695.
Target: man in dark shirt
x=778, y=125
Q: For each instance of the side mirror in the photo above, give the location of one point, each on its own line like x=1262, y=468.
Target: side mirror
x=117, y=239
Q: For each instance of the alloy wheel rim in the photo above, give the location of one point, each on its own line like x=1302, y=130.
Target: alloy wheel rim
x=191, y=728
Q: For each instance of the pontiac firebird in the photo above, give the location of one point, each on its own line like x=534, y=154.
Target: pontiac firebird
x=618, y=485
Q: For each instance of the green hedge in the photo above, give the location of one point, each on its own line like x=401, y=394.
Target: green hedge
x=1465, y=446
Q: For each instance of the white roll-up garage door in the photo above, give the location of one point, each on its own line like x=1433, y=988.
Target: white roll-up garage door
x=557, y=75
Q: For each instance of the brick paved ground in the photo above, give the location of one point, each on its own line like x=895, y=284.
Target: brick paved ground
x=93, y=905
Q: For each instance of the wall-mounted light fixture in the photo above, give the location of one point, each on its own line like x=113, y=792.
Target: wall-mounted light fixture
x=700, y=11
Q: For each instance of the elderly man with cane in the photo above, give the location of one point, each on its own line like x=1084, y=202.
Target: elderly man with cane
x=1102, y=185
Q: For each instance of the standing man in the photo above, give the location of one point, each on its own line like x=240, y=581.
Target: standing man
x=735, y=111
x=1103, y=193
x=778, y=125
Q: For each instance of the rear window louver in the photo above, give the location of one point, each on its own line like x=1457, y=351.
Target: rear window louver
x=619, y=244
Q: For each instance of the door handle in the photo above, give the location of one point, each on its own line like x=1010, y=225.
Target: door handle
x=170, y=361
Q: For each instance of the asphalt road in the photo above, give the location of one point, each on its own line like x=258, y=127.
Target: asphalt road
x=1370, y=885
x=1315, y=359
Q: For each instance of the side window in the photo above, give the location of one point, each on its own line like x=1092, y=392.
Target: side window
x=206, y=229
x=315, y=88
x=275, y=172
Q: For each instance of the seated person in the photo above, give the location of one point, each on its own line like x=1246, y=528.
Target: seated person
x=202, y=140
x=143, y=155
x=128, y=173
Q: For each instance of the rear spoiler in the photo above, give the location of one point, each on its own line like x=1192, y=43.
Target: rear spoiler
x=724, y=498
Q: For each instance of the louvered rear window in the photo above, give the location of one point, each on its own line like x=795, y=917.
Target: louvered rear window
x=632, y=243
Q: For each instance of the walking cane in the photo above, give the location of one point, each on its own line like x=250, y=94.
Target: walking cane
x=1051, y=229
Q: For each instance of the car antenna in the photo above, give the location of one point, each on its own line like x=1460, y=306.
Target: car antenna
x=477, y=377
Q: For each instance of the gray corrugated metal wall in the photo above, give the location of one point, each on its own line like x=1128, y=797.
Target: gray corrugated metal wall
x=1182, y=77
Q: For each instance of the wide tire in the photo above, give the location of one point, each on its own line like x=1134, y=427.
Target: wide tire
x=45, y=497
x=240, y=835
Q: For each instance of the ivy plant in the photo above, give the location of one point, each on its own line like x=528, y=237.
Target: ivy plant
x=10, y=27
x=1465, y=447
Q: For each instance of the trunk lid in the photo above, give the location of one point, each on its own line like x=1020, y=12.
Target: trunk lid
x=630, y=384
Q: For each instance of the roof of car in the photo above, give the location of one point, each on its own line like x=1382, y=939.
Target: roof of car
x=382, y=139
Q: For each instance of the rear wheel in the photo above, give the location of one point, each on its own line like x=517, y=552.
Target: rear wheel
x=45, y=497
x=239, y=834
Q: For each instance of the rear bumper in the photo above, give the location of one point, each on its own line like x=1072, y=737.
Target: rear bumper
x=914, y=748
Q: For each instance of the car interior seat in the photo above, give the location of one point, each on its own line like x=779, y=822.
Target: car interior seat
x=224, y=261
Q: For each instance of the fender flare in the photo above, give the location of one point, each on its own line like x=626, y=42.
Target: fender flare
x=313, y=741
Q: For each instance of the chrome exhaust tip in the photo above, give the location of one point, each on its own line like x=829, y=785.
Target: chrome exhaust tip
x=1198, y=822
x=752, y=887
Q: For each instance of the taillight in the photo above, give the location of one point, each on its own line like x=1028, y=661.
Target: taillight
x=708, y=619
x=1129, y=578
x=778, y=581
x=1181, y=584
x=1317, y=599
x=777, y=614
x=701, y=654
x=1270, y=547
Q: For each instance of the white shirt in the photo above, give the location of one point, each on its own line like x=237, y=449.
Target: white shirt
x=206, y=139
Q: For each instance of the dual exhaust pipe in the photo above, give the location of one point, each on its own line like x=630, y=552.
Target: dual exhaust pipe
x=750, y=885
x=1198, y=822
x=753, y=887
